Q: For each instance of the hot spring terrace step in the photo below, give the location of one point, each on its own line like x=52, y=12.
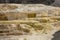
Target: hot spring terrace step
x=18, y=21
x=2, y=34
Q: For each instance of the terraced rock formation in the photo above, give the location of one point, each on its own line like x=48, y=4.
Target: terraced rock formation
x=29, y=21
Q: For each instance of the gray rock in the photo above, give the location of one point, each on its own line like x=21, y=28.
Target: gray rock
x=56, y=36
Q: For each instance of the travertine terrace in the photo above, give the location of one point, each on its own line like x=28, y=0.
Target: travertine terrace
x=28, y=21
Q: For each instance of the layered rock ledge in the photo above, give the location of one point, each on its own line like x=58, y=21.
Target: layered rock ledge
x=28, y=21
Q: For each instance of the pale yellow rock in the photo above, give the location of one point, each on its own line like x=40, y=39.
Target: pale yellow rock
x=31, y=21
